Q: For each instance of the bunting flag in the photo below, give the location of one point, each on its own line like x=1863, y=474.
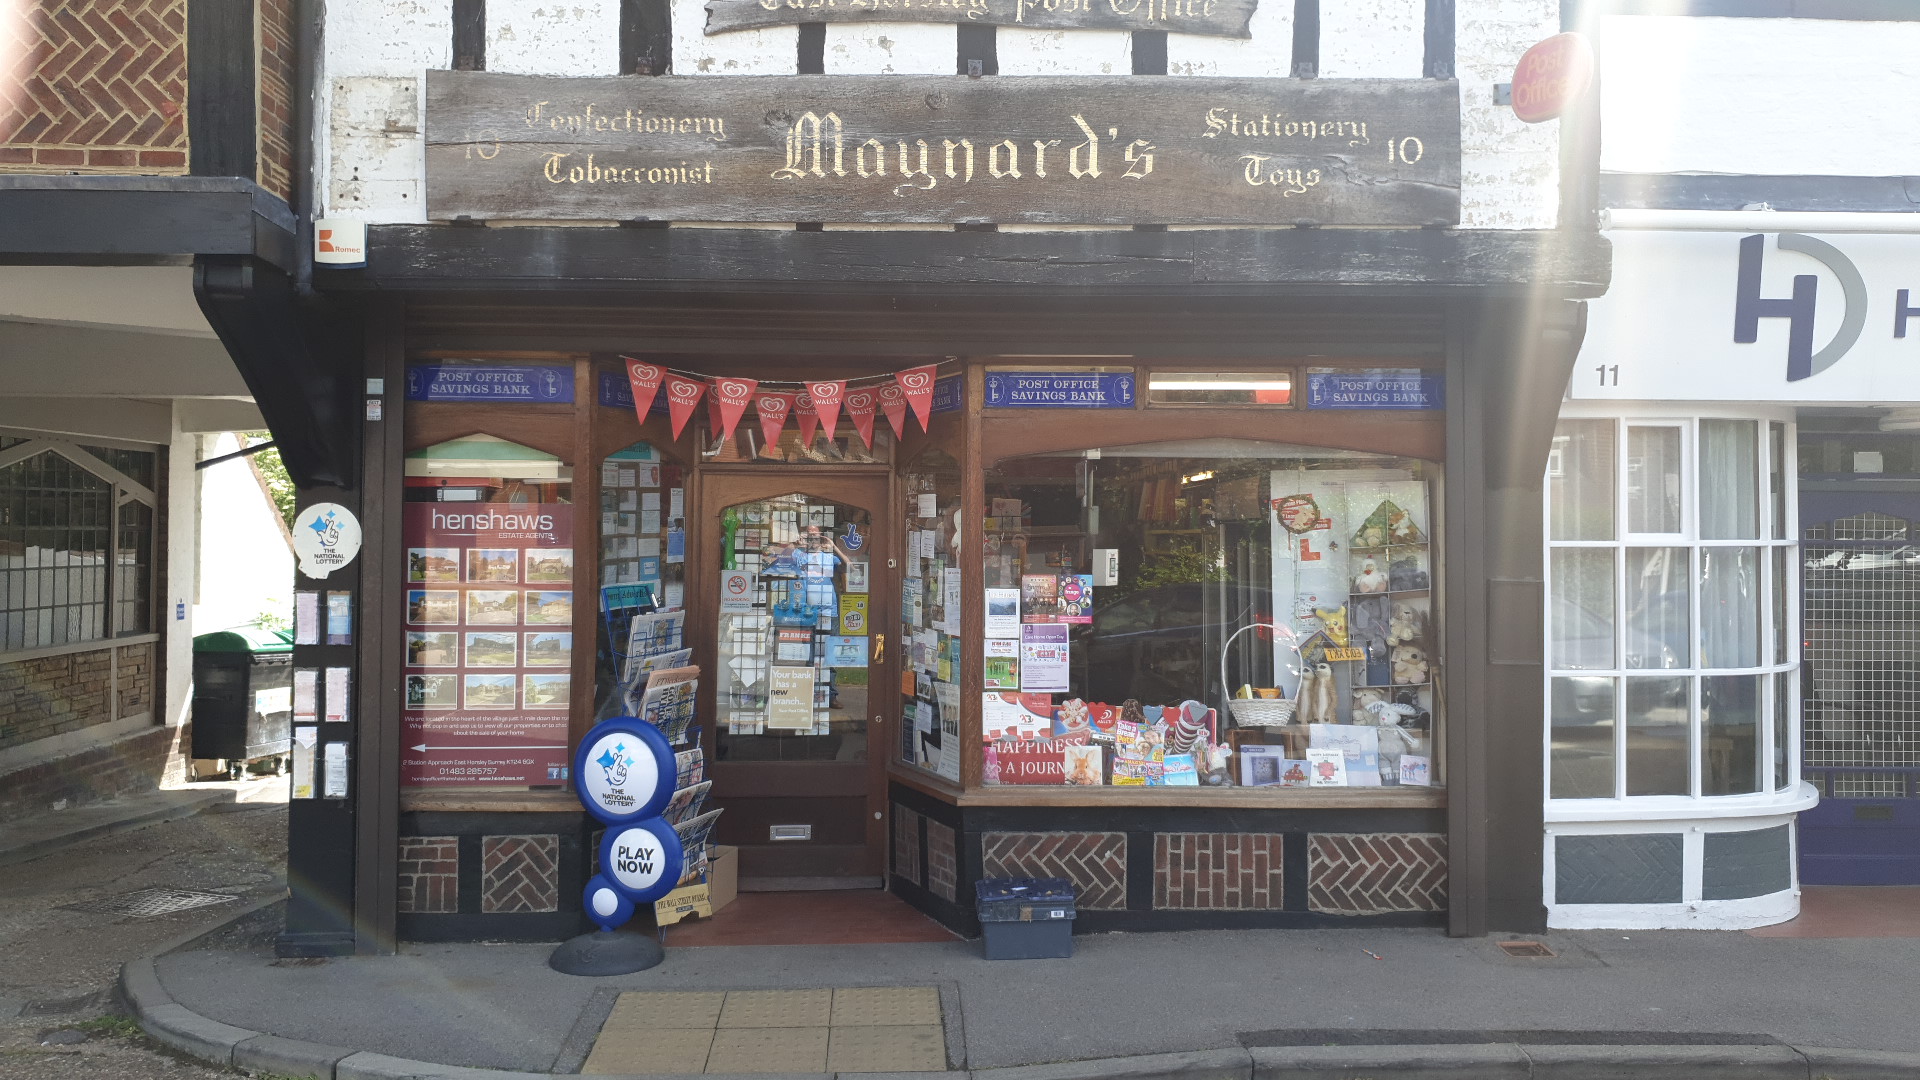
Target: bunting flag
x=860, y=406
x=713, y=410
x=683, y=395
x=773, y=410
x=917, y=384
x=893, y=402
x=809, y=420
x=731, y=396
x=826, y=402
x=645, y=380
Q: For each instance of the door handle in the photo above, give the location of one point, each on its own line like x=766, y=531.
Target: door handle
x=879, y=648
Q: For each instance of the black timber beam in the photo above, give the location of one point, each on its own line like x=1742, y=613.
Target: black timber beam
x=123, y=219
x=294, y=360
x=1567, y=264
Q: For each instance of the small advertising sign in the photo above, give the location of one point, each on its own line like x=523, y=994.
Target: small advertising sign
x=529, y=384
x=1375, y=388
x=1059, y=390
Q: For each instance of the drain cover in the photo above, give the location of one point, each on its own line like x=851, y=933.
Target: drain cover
x=1526, y=948
x=147, y=903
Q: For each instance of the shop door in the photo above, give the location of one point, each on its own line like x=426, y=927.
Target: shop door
x=798, y=746
x=1860, y=687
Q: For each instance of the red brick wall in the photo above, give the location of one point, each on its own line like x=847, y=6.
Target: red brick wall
x=1218, y=871
x=103, y=88
x=126, y=766
x=429, y=874
x=1096, y=863
x=275, y=170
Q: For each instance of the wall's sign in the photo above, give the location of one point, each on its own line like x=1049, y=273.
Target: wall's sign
x=1376, y=388
x=1059, y=390
x=944, y=149
x=542, y=383
x=1218, y=18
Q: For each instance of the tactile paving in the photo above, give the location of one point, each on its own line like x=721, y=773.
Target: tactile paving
x=666, y=1009
x=659, y=1050
x=768, y=1050
x=777, y=1008
x=917, y=1048
x=885, y=1006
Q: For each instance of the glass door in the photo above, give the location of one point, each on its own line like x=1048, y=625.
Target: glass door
x=796, y=654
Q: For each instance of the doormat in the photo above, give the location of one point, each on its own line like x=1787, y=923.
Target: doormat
x=148, y=903
x=868, y=1029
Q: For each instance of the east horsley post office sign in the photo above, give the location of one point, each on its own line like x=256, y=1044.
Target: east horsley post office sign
x=944, y=149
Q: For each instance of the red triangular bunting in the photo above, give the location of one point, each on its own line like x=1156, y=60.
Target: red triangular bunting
x=809, y=420
x=683, y=395
x=860, y=406
x=645, y=380
x=826, y=402
x=893, y=402
x=917, y=384
x=731, y=396
x=773, y=409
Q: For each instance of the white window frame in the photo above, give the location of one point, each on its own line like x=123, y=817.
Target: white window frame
x=1694, y=802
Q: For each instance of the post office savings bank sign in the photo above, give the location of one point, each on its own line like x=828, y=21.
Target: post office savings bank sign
x=1743, y=316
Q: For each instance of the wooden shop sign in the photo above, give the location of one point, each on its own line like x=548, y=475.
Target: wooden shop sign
x=1215, y=18
x=896, y=148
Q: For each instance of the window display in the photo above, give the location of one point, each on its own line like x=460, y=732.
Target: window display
x=1155, y=611
x=931, y=591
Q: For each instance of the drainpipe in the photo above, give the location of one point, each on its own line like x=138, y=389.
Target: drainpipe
x=306, y=17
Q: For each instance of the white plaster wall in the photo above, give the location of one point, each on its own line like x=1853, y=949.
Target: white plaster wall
x=1509, y=171
x=890, y=49
x=1064, y=52
x=1817, y=96
x=246, y=564
x=1268, y=54
x=369, y=105
x=1373, y=39
x=772, y=51
x=183, y=565
x=553, y=37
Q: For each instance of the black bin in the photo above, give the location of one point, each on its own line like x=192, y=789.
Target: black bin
x=1025, y=918
x=242, y=694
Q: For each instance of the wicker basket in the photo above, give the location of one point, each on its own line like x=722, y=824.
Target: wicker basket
x=1254, y=712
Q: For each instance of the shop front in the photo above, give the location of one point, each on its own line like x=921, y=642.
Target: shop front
x=1201, y=568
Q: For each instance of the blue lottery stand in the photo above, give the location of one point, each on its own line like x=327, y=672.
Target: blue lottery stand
x=624, y=773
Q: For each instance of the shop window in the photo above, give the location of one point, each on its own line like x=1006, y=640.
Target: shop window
x=488, y=527
x=1209, y=613
x=1676, y=678
x=932, y=583
x=848, y=446
x=642, y=519
x=793, y=648
x=76, y=543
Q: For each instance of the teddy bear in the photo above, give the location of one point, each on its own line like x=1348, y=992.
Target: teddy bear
x=1370, y=579
x=1408, y=626
x=1405, y=575
x=1409, y=665
x=1364, y=700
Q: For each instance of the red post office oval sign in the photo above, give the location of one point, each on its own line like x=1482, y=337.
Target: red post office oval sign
x=1550, y=76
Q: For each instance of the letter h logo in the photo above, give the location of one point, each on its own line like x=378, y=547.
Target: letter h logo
x=1749, y=307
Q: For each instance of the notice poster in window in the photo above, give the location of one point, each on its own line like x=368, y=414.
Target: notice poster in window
x=306, y=618
x=1040, y=598
x=305, y=740
x=790, y=699
x=1043, y=658
x=1002, y=668
x=487, y=572
x=1003, y=613
x=853, y=614
x=1076, y=598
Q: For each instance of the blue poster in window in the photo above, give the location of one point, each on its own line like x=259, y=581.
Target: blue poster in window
x=530, y=383
x=1059, y=390
x=617, y=393
x=947, y=394
x=1375, y=388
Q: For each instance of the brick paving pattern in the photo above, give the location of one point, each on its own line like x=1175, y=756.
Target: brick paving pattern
x=103, y=87
x=1371, y=873
x=1218, y=871
x=429, y=874
x=1096, y=863
x=519, y=873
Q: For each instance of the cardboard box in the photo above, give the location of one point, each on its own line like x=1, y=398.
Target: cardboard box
x=723, y=875
x=685, y=902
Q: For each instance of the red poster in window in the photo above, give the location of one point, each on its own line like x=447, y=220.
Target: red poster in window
x=860, y=406
x=488, y=681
